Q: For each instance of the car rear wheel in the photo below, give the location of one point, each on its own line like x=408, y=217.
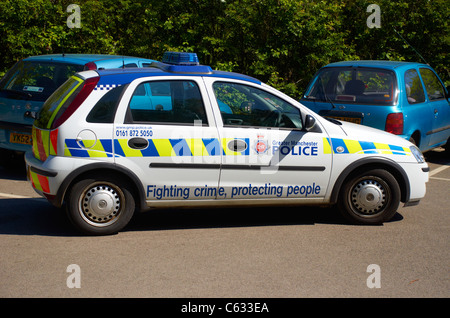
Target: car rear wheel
x=370, y=197
x=100, y=205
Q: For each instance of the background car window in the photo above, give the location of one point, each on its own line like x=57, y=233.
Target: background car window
x=38, y=80
x=413, y=87
x=243, y=105
x=432, y=84
x=358, y=86
x=177, y=102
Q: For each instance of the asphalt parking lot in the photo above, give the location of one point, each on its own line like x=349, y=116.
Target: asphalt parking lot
x=270, y=252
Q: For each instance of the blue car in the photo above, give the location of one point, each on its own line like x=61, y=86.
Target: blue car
x=26, y=86
x=404, y=98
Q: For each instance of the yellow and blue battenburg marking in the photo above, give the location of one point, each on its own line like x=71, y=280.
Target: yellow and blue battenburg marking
x=155, y=148
x=88, y=148
x=350, y=146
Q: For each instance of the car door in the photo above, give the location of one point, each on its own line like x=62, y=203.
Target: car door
x=417, y=112
x=440, y=107
x=266, y=152
x=174, y=149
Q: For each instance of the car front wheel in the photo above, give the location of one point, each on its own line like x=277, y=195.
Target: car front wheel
x=369, y=197
x=100, y=205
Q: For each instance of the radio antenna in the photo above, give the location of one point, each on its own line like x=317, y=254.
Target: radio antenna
x=411, y=46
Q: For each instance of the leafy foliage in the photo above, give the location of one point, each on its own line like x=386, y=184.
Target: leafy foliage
x=281, y=42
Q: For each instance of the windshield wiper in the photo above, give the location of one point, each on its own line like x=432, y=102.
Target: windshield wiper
x=327, y=99
x=16, y=92
x=334, y=121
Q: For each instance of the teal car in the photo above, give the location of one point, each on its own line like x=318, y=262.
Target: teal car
x=26, y=86
x=404, y=98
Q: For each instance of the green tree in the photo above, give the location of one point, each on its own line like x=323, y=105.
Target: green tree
x=281, y=42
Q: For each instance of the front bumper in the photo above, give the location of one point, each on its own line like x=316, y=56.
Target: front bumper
x=418, y=177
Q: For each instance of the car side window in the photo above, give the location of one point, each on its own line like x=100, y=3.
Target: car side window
x=243, y=105
x=175, y=102
x=432, y=84
x=104, y=111
x=413, y=87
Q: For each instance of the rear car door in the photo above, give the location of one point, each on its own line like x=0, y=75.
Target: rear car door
x=170, y=142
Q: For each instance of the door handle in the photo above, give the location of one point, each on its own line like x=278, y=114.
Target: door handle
x=237, y=145
x=138, y=143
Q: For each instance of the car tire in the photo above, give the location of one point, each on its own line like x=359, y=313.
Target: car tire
x=369, y=197
x=100, y=205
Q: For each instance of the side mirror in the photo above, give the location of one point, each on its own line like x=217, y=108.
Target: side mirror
x=310, y=123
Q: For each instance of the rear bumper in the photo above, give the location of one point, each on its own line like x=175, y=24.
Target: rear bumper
x=41, y=178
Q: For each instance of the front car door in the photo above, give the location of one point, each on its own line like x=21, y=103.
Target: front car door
x=440, y=107
x=267, y=153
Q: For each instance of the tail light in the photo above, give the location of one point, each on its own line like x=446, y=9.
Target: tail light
x=394, y=123
x=90, y=66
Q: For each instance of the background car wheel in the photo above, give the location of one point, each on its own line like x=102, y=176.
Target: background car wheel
x=100, y=205
x=369, y=197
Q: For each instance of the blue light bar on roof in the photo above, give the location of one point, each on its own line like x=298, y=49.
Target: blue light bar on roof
x=180, y=58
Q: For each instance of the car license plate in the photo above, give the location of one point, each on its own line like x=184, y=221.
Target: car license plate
x=17, y=138
x=350, y=119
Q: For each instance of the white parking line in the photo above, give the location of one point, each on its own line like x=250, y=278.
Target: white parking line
x=437, y=178
x=437, y=170
x=15, y=196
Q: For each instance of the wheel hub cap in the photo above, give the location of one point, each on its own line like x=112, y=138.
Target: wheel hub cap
x=100, y=204
x=368, y=196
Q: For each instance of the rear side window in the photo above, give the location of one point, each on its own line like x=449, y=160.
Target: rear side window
x=432, y=84
x=37, y=80
x=176, y=102
x=105, y=109
x=63, y=96
x=64, y=102
x=354, y=86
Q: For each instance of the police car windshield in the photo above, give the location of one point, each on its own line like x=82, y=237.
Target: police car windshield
x=35, y=80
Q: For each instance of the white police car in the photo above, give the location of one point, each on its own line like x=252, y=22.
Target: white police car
x=178, y=134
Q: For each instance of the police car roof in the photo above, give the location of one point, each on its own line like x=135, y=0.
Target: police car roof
x=130, y=74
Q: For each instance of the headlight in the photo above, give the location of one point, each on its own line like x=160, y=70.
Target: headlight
x=417, y=154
